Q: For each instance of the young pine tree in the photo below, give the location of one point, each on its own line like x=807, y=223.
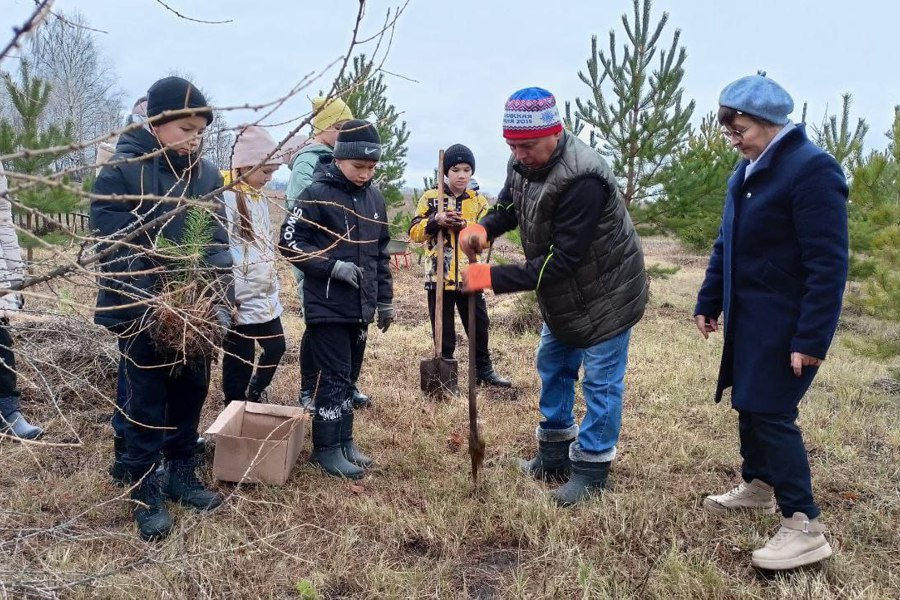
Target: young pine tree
x=874, y=215
x=837, y=139
x=367, y=99
x=693, y=186
x=183, y=318
x=30, y=98
x=635, y=103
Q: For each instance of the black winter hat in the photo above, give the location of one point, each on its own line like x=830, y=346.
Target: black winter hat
x=175, y=93
x=458, y=154
x=358, y=140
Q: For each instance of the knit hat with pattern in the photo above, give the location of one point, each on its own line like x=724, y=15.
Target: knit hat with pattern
x=531, y=113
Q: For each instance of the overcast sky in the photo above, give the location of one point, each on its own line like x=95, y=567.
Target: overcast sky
x=459, y=61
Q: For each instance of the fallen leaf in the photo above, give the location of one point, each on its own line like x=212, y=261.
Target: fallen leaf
x=455, y=441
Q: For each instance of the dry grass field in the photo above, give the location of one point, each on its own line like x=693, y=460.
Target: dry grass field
x=414, y=527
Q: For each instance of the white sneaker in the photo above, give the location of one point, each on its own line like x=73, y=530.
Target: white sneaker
x=800, y=541
x=754, y=496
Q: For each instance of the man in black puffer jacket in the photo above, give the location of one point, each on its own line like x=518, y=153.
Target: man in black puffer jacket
x=164, y=397
x=337, y=234
x=584, y=260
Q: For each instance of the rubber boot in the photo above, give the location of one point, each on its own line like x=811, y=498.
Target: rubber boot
x=350, y=449
x=180, y=484
x=150, y=513
x=358, y=399
x=552, y=461
x=118, y=471
x=254, y=393
x=488, y=376
x=14, y=424
x=327, y=452
x=586, y=480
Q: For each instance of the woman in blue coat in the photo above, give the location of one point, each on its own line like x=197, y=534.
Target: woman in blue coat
x=777, y=275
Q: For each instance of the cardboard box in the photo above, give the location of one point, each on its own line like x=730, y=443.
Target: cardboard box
x=257, y=443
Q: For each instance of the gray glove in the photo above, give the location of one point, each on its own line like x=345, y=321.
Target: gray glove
x=385, y=316
x=11, y=302
x=347, y=272
x=223, y=318
x=20, y=297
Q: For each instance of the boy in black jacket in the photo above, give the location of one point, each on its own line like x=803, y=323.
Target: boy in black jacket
x=337, y=235
x=164, y=396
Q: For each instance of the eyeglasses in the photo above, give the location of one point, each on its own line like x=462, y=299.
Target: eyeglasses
x=735, y=134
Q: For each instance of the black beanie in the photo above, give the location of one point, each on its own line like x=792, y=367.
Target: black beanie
x=458, y=154
x=358, y=140
x=175, y=93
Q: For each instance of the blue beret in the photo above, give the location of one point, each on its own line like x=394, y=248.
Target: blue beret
x=759, y=96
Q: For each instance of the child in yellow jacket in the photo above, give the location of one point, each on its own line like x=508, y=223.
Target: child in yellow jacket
x=462, y=207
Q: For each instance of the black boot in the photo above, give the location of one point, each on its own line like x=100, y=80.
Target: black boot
x=489, y=376
x=552, y=460
x=254, y=393
x=181, y=485
x=152, y=517
x=358, y=399
x=350, y=449
x=200, y=446
x=587, y=479
x=117, y=471
x=327, y=452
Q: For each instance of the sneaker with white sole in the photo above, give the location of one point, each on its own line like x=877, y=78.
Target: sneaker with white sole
x=800, y=541
x=755, y=496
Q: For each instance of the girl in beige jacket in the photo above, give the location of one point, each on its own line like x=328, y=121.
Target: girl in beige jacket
x=12, y=270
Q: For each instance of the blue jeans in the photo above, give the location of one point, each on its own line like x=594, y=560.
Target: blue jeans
x=603, y=387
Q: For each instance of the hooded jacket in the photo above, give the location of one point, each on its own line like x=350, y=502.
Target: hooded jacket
x=332, y=220
x=471, y=205
x=133, y=273
x=12, y=269
x=303, y=168
x=256, y=285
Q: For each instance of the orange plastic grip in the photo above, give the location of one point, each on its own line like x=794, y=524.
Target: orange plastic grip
x=477, y=277
x=470, y=234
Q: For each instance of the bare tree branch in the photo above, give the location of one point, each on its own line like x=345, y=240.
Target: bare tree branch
x=41, y=10
x=181, y=16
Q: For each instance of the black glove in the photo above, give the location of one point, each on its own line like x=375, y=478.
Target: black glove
x=347, y=272
x=385, y=316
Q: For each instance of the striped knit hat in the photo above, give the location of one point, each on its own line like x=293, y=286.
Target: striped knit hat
x=531, y=113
